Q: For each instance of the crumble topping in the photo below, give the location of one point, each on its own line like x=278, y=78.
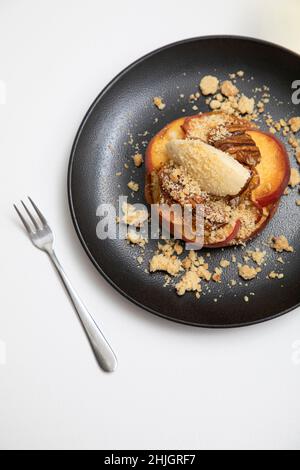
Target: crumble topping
x=138, y=159
x=257, y=256
x=204, y=273
x=217, y=276
x=229, y=107
x=295, y=177
x=246, y=105
x=281, y=244
x=219, y=97
x=164, y=262
x=194, y=96
x=247, y=215
x=166, y=259
x=209, y=85
x=159, y=103
x=178, y=249
x=215, y=104
x=136, y=238
x=218, y=214
x=224, y=263
x=229, y=89
x=217, y=172
x=133, y=186
x=274, y=275
x=132, y=216
x=295, y=124
x=189, y=282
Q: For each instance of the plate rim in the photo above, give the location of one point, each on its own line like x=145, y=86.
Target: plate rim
x=72, y=157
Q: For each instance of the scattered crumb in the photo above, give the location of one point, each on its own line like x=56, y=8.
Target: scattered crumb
x=194, y=269
x=257, y=256
x=215, y=104
x=162, y=262
x=229, y=89
x=294, y=142
x=295, y=124
x=224, y=263
x=281, y=244
x=203, y=273
x=295, y=177
x=133, y=186
x=189, y=282
x=138, y=159
x=135, y=238
x=274, y=275
x=217, y=276
x=246, y=105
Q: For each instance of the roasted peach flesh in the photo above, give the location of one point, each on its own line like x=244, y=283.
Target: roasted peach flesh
x=273, y=170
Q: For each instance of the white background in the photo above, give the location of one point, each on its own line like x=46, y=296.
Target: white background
x=176, y=387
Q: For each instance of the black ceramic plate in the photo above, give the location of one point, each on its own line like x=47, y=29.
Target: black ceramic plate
x=124, y=111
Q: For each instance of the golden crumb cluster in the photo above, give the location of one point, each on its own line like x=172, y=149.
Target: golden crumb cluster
x=193, y=269
x=159, y=103
x=281, y=244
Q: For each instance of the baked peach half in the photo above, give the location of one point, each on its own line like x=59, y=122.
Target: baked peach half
x=232, y=217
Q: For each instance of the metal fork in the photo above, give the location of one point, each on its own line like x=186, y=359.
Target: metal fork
x=42, y=237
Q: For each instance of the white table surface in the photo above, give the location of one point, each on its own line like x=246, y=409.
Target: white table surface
x=176, y=386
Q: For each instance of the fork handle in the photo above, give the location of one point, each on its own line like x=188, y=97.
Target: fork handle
x=102, y=350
